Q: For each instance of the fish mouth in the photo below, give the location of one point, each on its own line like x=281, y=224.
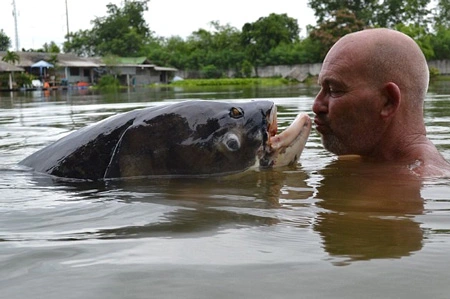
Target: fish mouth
x=286, y=147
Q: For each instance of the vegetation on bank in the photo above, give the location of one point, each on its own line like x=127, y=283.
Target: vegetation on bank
x=270, y=40
x=19, y=79
x=232, y=82
x=108, y=83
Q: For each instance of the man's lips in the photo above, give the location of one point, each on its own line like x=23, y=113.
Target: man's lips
x=321, y=125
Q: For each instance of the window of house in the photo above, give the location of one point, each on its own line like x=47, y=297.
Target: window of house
x=74, y=71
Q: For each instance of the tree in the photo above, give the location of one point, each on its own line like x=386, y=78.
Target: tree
x=390, y=13
x=440, y=42
x=328, y=32
x=123, y=32
x=420, y=36
x=170, y=51
x=11, y=57
x=220, y=47
x=81, y=43
x=363, y=10
x=267, y=33
x=442, y=14
x=383, y=13
x=51, y=48
x=5, y=41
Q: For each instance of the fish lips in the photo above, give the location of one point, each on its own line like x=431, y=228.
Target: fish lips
x=286, y=148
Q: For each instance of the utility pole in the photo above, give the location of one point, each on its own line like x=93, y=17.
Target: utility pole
x=67, y=22
x=15, y=24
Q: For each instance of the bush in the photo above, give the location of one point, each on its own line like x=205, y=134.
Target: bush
x=23, y=79
x=434, y=72
x=211, y=72
x=247, y=69
x=4, y=81
x=108, y=83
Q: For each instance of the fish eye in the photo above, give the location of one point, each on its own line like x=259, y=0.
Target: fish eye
x=236, y=112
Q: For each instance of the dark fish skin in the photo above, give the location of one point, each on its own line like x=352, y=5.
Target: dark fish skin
x=191, y=138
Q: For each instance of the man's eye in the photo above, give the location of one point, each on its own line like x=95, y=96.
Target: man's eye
x=334, y=91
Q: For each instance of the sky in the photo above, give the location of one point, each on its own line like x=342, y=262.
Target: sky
x=43, y=21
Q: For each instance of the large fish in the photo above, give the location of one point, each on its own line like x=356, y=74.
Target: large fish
x=191, y=138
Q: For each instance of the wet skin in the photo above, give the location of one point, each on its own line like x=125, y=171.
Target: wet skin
x=191, y=138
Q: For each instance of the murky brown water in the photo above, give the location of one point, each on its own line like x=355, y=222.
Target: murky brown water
x=326, y=228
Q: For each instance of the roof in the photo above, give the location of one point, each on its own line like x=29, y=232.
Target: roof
x=71, y=60
x=7, y=67
x=73, y=63
x=132, y=60
x=162, y=68
x=135, y=65
x=63, y=59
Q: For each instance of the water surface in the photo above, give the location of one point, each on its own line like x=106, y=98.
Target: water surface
x=326, y=228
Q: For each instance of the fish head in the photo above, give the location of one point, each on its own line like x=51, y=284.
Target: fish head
x=203, y=138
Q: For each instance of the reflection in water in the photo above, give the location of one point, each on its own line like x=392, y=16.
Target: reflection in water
x=369, y=211
x=189, y=206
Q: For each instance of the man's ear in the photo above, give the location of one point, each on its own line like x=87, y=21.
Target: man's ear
x=393, y=99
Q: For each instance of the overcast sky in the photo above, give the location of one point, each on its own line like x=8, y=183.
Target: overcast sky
x=43, y=21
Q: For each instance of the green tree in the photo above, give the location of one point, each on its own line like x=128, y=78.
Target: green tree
x=123, y=32
x=51, y=48
x=442, y=14
x=328, y=32
x=440, y=42
x=421, y=37
x=11, y=57
x=81, y=43
x=220, y=47
x=383, y=13
x=172, y=51
x=266, y=34
x=5, y=41
x=389, y=13
x=363, y=10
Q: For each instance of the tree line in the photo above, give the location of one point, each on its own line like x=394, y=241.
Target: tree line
x=270, y=40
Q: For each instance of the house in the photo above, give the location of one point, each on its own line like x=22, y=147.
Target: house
x=70, y=69
x=9, y=69
x=132, y=71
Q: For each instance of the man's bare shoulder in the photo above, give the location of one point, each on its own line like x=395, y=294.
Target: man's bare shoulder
x=430, y=164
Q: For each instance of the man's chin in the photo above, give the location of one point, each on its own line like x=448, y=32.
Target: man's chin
x=332, y=144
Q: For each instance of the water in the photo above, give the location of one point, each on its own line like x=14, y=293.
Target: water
x=326, y=228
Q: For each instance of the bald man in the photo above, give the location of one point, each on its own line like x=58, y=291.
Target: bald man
x=373, y=85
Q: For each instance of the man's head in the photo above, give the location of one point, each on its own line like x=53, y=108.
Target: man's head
x=373, y=83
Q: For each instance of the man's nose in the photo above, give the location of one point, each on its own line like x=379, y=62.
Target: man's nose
x=320, y=104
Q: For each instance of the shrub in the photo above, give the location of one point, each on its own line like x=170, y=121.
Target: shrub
x=211, y=72
x=434, y=72
x=108, y=83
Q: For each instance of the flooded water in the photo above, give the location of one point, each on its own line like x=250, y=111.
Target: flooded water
x=326, y=228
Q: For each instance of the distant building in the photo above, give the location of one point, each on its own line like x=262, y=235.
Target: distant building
x=71, y=69
x=8, y=69
x=138, y=71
